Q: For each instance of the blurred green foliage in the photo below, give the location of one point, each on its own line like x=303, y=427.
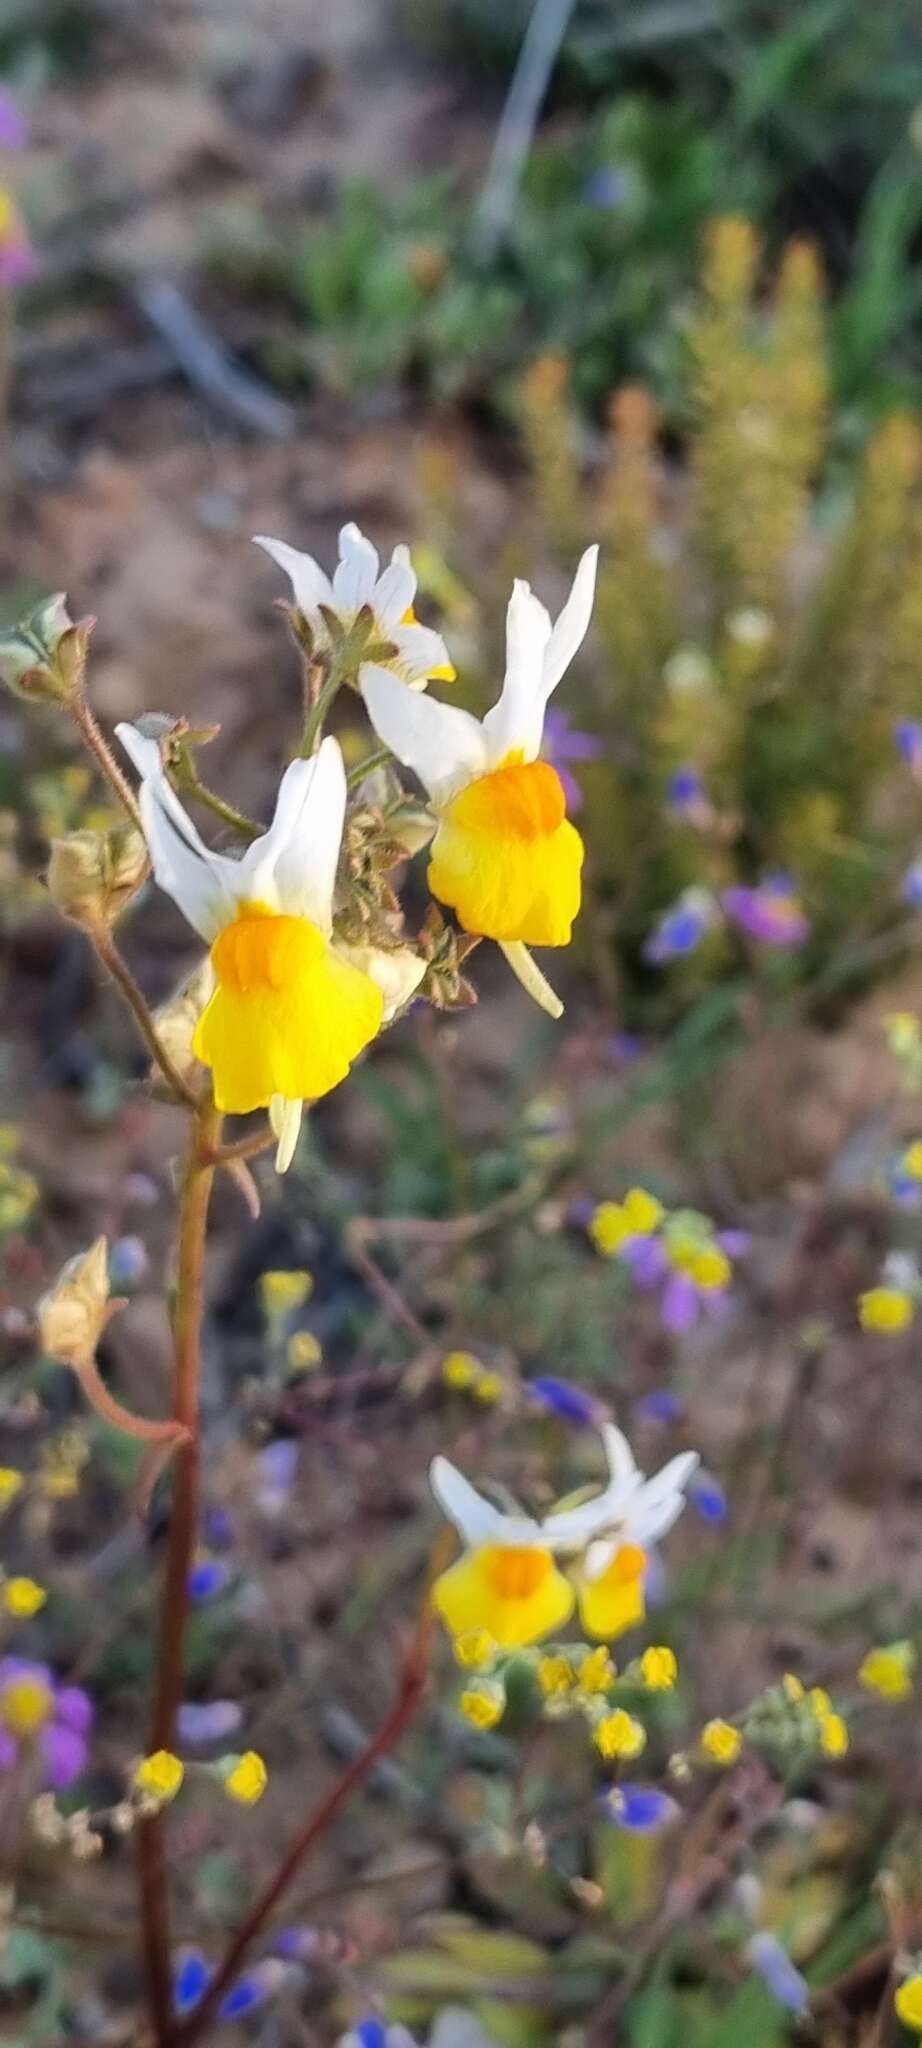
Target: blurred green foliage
x=803, y=116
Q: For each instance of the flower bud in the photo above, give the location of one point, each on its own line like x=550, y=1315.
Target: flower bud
x=396, y=970
x=176, y=1021
x=43, y=659
x=92, y=875
x=412, y=826
x=75, y=1311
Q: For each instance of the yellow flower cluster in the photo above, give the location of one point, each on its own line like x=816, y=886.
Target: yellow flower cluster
x=464, y=1374
x=721, y=1742
x=159, y=1776
x=283, y=1293
x=614, y=1223
x=21, y=1598
x=247, y=1779
x=889, y=1670
x=886, y=1310
x=619, y=1736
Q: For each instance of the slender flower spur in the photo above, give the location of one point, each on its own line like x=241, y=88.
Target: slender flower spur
x=288, y=1015
x=505, y=857
x=395, y=638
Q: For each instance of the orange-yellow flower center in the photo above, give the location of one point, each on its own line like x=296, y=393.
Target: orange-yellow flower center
x=523, y=798
x=288, y=1016
x=261, y=951
x=629, y=1562
x=515, y=1574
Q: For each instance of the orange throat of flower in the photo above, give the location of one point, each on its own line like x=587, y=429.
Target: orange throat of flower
x=288, y=1016
x=506, y=859
x=513, y=1591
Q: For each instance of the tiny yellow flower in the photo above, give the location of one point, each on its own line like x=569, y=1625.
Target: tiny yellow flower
x=160, y=1775
x=833, y=1735
x=907, y=2002
x=886, y=1310
x=711, y=1269
x=555, y=1676
x=487, y=1388
x=303, y=1352
x=22, y=1598
x=793, y=1688
x=819, y=1702
x=912, y=1160
x=247, y=1782
x=11, y=1483
x=643, y=1211
x=460, y=1370
x=283, y=1292
x=902, y=1029
x=721, y=1742
x=475, y=1650
x=889, y=1671
x=619, y=1735
x=483, y=1705
x=597, y=1671
x=610, y=1228
x=658, y=1669
x=25, y=1706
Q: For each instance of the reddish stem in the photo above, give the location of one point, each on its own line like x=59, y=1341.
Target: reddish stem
x=187, y=1323
x=410, y=1692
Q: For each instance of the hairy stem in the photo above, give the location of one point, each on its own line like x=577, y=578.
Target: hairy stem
x=188, y=780
x=187, y=1324
x=103, y=756
x=409, y=1695
x=118, y=971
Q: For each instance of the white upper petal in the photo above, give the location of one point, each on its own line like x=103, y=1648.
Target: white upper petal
x=421, y=653
x=571, y=627
x=292, y=868
x=310, y=585
x=476, y=1519
x=205, y=885
x=394, y=591
x=536, y=656
x=639, y=1509
x=516, y=721
x=357, y=573
x=442, y=744
x=620, y=1457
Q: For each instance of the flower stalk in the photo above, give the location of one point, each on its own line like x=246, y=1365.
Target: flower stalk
x=187, y=1325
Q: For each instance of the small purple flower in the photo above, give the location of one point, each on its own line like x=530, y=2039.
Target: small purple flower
x=903, y=1187
x=13, y=131
x=623, y=1047
x=608, y=188
x=688, y=800
x=639, y=1809
x=209, y=1577
x=127, y=1262
x=907, y=738
x=736, y=1243
x=707, y=1497
x=568, y=1403
x=217, y=1528
x=681, y=929
x=680, y=1304
x=278, y=1469
x=780, y=1976
x=911, y=885
x=200, y=1723
x=770, y=913
x=37, y=1713
x=564, y=743
x=661, y=1405
x=190, y=1982
x=647, y=1260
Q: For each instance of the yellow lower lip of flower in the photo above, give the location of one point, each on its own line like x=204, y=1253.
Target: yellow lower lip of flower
x=288, y=1016
x=25, y=1706
x=506, y=859
x=888, y=1673
x=907, y=2002
x=615, y=1600
x=515, y=1593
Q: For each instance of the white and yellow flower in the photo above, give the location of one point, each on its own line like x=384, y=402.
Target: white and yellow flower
x=288, y=1014
x=358, y=584
x=613, y=1532
x=506, y=1582
x=505, y=857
